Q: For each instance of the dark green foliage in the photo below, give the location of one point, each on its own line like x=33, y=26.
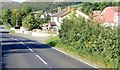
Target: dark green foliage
x=88, y=7
x=21, y=17
x=30, y=22
x=88, y=38
x=6, y=16
x=25, y=10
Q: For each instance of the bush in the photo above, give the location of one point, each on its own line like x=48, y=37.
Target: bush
x=90, y=39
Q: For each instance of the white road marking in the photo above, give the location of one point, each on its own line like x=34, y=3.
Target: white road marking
x=32, y=51
x=59, y=50
x=22, y=43
x=75, y=58
x=41, y=59
x=15, y=39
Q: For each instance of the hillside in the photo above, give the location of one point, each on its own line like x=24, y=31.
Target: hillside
x=36, y=5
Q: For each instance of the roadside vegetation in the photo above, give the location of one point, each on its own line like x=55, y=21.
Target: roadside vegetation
x=80, y=37
x=21, y=17
x=88, y=40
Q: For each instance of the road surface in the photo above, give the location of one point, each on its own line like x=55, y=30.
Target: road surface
x=20, y=52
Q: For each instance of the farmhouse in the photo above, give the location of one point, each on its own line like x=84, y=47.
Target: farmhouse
x=58, y=17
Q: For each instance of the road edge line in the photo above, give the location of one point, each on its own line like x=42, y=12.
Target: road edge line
x=75, y=58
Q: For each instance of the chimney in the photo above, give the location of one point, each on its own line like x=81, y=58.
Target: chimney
x=69, y=9
x=59, y=9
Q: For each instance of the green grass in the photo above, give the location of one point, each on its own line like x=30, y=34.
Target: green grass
x=12, y=31
x=8, y=28
x=94, y=59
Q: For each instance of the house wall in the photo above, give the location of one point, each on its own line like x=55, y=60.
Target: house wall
x=81, y=14
x=117, y=18
x=52, y=19
x=61, y=18
x=55, y=19
x=58, y=20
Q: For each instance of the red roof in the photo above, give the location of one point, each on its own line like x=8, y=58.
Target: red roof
x=116, y=9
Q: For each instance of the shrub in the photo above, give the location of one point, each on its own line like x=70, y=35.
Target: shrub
x=88, y=38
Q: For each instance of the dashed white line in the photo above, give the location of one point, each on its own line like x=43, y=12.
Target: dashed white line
x=41, y=59
x=30, y=49
x=15, y=39
x=75, y=58
x=22, y=43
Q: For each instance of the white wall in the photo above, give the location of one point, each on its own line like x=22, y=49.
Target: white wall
x=81, y=14
x=55, y=19
x=52, y=19
x=117, y=20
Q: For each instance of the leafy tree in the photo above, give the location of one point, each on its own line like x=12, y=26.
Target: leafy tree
x=88, y=7
x=30, y=22
x=6, y=16
x=26, y=10
x=16, y=17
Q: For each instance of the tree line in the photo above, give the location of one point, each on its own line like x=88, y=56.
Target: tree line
x=88, y=7
x=21, y=17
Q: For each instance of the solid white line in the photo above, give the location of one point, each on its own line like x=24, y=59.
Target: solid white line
x=59, y=50
x=41, y=59
x=74, y=57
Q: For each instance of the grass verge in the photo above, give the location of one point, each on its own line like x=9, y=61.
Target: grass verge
x=8, y=28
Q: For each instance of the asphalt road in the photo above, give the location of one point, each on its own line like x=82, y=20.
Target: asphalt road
x=20, y=52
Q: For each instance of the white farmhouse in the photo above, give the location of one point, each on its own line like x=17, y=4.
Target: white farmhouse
x=58, y=17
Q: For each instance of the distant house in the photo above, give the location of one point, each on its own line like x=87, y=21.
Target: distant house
x=43, y=16
x=58, y=17
x=109, y=16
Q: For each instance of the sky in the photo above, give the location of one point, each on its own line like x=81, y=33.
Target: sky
x=20, y=1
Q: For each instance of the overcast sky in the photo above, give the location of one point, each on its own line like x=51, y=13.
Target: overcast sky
x=19, y=1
